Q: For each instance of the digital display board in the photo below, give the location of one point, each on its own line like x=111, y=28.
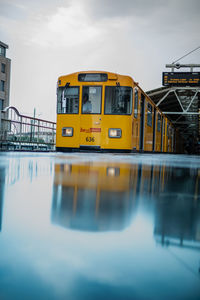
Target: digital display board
x=181, y=79
x=89, y=77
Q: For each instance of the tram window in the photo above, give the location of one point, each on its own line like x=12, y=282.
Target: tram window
x=91, y=100
x=168, y=130
x=118, y=100
x=149, y=114
x=164, y=126
x=68, y=100
x=136, y=104
x=158, y=122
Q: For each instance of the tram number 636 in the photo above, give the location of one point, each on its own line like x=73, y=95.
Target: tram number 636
x=90, y=139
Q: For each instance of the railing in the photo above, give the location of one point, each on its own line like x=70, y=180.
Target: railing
x=20, y=132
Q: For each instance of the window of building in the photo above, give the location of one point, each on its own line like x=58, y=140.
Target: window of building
x=149, y=114
x=118, y=100
x=91, y=100
x=1, y=104
x=2, y=51
x=3, y=68
x=136, y=104
x=68, y=100
x=2, y=85
x=158, y=122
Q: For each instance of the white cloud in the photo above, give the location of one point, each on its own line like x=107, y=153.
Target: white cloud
x=68, y=27
x=51, y=38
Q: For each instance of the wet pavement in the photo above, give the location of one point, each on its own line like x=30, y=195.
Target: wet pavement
x=99, y=226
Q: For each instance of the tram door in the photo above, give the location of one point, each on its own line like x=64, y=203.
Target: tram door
x=90, y=122
x=142, y=117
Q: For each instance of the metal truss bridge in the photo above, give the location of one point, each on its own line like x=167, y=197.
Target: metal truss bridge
x=20, y=132
x=179, y=100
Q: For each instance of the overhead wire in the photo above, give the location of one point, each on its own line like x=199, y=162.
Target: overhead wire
x=186, y=54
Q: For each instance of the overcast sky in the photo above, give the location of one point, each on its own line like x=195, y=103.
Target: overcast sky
x=49, y=38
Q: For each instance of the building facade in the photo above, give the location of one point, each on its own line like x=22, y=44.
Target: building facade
x=5, y=64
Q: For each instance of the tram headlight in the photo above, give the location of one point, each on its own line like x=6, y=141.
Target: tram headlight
x=114, y=132
x=67, y=131
x=112, y=172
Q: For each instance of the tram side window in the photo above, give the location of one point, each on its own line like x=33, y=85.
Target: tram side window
x=169, y=130
x=149, y=114
x=68, y=100
x=158, y=122
x=136, y=104
x=164, y=126
x=91, y=100
x=118, y=100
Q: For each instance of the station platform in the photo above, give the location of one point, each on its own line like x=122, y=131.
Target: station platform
x=106, y=226
x=179, y=100
x=182, y=108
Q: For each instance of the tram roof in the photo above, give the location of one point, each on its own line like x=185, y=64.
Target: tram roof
x=113, y=75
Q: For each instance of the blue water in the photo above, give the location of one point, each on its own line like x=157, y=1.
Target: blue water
x=99, y=226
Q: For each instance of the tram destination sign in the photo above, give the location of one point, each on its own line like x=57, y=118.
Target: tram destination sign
x=181, y=79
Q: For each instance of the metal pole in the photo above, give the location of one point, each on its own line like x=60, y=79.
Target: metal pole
x=38, y=134
x=34, y=114
x=20, y=133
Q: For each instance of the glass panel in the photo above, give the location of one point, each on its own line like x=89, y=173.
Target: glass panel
x=2, y=51
x=2, y=86
x=1, y=104
x=158, y=122
x=149, y=114
x=3, y=68
x=164, y=126
x=118, y=100
x=68, y=100
x=92, y=77
x=136, y=104
x=91, y=101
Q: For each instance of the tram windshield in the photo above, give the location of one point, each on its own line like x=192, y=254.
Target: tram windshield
x=68, y=100
x=118, y=100
x=91, y=102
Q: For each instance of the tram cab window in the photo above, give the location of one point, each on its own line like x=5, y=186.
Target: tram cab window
x=149, y=114
x=68, y=100
x=118, y=100
x=91, y=100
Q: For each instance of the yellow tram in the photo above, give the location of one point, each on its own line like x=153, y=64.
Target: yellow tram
x=106, y=111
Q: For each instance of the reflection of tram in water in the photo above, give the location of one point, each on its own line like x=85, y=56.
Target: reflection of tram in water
x=102, y=196
x=108, y=111
x=105, y=196
x=94, y=197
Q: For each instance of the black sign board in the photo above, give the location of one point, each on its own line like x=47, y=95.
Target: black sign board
x=89, y=77
x=181, y=79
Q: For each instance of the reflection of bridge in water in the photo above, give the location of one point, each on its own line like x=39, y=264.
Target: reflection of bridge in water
x=20, y=132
